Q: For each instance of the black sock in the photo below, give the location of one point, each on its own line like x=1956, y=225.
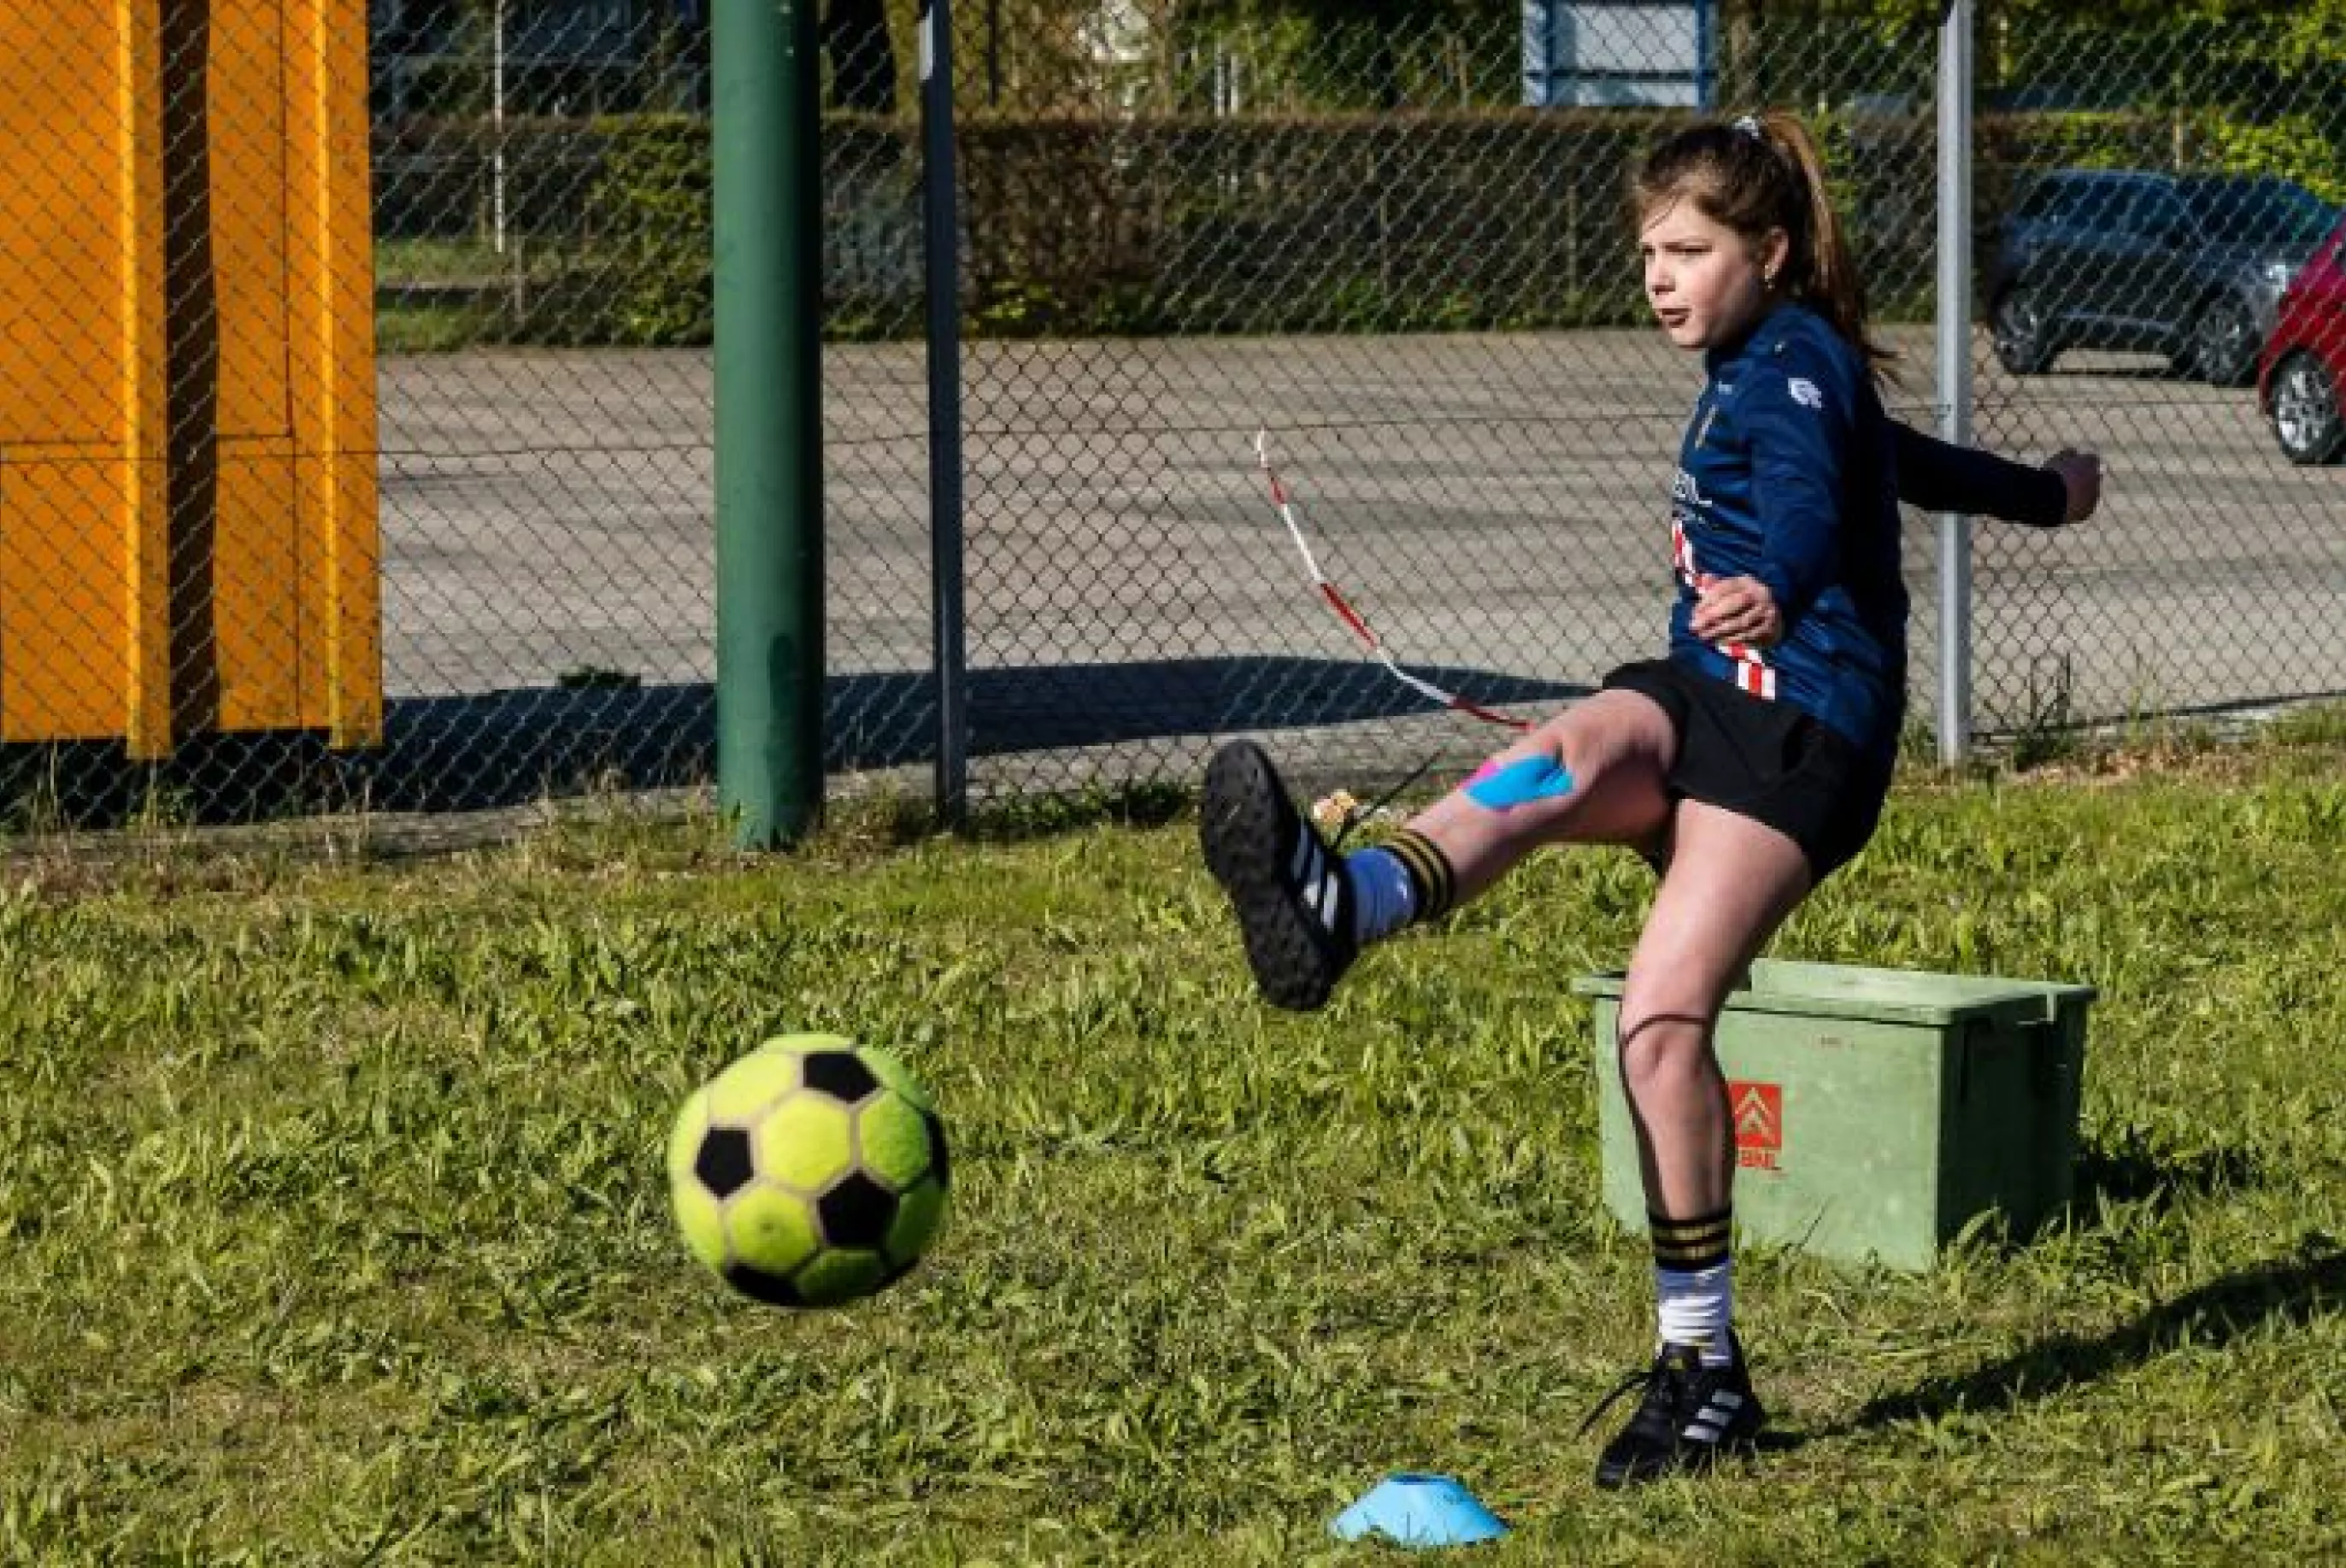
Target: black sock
x=1700, y=1242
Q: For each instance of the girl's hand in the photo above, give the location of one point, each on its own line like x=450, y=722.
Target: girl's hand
x=2081, y=475
x=1736, y=610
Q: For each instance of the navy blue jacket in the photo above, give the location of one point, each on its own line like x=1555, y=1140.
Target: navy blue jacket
x=1938, y=477
x=1788, y=475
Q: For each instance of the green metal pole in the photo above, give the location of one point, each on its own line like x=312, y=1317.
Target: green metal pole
x=769, y=643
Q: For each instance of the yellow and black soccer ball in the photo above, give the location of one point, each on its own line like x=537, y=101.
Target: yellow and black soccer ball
x=810, y=1172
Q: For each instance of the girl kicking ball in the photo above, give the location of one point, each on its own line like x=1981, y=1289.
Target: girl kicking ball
x=1746, y=765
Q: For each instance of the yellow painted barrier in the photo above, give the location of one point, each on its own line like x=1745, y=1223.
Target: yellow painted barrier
x=187, y=506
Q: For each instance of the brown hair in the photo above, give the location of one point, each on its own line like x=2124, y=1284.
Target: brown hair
x=1758, y=173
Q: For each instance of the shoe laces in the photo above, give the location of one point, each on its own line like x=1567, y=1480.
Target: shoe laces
x=1660, y=1382
x=1360, y=814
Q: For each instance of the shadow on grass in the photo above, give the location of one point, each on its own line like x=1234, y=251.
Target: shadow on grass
x=2131, y=1171
x=2288, y=1292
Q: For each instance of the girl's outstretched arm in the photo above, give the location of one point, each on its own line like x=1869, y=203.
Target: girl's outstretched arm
x=1939, y=476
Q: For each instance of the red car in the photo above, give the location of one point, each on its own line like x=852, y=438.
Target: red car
x=2303, y=367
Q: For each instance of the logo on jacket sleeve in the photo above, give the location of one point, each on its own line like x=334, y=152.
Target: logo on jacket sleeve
x=1805, y=393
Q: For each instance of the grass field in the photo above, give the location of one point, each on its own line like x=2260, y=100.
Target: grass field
x=332, y=1226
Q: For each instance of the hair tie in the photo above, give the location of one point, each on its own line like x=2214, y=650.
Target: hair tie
x=1750, y=126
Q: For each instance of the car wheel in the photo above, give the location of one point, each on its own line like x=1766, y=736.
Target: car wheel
x=2222, y=345
x=2305, y=415
x=2023, y=337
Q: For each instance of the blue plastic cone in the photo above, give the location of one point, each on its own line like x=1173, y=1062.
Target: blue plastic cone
x=1419, y=1510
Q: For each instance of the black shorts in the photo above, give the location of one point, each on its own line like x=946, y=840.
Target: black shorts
x=1766, y=760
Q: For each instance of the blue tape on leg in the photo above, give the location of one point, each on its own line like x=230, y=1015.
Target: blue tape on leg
x=1521, y=783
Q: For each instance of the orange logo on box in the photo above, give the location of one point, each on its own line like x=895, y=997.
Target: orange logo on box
x=1759, y=1124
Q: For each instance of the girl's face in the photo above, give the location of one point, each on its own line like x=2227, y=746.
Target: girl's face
x=1707, y=283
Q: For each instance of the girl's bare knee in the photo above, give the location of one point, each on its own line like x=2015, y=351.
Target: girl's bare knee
x=1655, y=1047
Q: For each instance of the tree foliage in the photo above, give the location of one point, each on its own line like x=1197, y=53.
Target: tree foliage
x=1050, y=54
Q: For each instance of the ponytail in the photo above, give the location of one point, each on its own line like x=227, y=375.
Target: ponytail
x=1826, y=279
x=1758, y=173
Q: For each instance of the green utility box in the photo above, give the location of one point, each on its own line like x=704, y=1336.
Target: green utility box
x=1877, y=1111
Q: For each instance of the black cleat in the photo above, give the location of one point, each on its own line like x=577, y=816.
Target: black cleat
x=1289, y=887
x=1689, y=1418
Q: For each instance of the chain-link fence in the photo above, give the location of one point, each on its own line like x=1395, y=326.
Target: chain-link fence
x=254, y=560
x=2146, y=200
x=1347, y=227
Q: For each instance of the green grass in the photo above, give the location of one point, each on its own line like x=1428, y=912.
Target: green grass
x=333, y=1227
x=2312, y=724
x=426, y=329
x=439, y=261
x=424, y=325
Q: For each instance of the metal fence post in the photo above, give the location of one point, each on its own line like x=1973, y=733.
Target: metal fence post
x=1954, y=287
x=769, y=242
x=941, y=242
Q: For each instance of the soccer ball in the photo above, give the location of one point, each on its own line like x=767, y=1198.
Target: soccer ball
x=809, y=1173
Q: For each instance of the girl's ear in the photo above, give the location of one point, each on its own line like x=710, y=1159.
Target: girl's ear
x=1774, y=247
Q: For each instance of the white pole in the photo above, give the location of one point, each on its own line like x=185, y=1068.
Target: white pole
x=1954, y=709
x=497, y=119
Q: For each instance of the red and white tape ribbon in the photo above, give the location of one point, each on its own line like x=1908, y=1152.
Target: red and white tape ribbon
x=1352, y=617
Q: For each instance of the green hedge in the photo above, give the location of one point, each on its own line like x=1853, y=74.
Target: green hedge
x=1085, y=227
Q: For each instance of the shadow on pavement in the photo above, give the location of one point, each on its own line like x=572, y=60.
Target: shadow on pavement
x=510, y=748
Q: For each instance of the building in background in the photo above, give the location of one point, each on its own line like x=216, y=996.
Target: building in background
x=545, y=58
x=1619, y=53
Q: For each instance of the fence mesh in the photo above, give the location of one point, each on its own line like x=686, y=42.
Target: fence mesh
x=2141, y=218
x=321, y=493
x=1360, y=238
x=1348, y=226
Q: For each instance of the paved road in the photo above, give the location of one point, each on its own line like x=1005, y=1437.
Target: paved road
x=1493, y=502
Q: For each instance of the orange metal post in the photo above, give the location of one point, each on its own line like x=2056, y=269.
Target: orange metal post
x=236, y=519
x=84, y=554
x=188, y=537
x=294, y=602
x=144, y=463
x=333, y=353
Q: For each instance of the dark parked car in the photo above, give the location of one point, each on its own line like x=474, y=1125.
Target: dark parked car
x=2305, y=359
x=2189, y=265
